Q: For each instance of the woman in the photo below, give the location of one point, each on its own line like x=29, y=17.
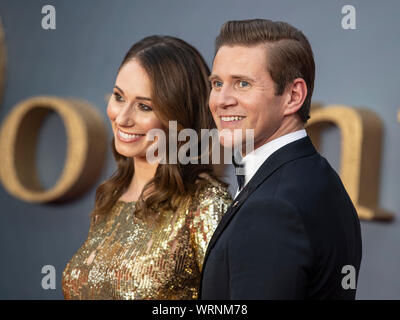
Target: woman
x=152, y=222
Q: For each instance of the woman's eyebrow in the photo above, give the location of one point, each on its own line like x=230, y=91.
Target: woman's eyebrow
x=142, y=98
x=137, y=97
x=122, y=91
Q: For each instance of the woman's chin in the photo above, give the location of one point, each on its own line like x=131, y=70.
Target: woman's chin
x=129, y=153
x=126, y=152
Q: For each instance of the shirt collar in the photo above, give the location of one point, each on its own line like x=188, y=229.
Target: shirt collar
x=254, y=160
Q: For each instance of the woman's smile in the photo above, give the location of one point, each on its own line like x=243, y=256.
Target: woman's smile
x=129, y=138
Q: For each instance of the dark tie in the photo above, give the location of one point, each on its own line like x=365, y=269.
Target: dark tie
x=239, y=171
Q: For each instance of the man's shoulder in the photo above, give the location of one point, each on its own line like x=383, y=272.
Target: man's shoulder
x=305, y=172
x=312, y=189
x=308, y=184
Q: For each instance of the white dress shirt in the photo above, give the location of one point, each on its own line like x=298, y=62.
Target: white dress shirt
x=253, y=161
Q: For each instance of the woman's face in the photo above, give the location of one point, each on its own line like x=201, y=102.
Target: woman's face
x=130, y=110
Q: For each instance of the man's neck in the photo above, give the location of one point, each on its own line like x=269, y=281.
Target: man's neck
x=289, y=124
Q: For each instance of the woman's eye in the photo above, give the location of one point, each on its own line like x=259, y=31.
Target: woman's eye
x=243, y=84
x=144, y=107
x=117, y=97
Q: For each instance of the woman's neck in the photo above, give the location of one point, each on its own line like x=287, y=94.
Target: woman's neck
x=144, y=172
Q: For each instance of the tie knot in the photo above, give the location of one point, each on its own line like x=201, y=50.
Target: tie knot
x=237, y=163
x=239, y=171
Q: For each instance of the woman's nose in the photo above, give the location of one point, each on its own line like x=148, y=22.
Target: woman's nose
x=126, y=116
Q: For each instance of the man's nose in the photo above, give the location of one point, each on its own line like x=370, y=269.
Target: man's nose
x=126, y=116
x=226, y=97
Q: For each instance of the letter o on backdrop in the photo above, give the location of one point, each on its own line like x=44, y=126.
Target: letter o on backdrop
x=2, y=60
x=86, y=148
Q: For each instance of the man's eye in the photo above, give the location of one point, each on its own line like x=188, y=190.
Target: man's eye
x=243, y=84
x=216, y=84
x=117, y=97
x=144, y=107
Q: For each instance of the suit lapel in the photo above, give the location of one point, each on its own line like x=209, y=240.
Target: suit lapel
x=297, y=149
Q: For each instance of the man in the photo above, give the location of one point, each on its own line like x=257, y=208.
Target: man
x=292, y=231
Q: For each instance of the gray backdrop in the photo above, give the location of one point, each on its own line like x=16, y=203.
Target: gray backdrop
x=80, y=58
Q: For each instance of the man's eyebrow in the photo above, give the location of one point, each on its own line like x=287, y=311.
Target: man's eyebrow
x=212, y=77
x=137, y=97
x=241, y=76
x=233, y=76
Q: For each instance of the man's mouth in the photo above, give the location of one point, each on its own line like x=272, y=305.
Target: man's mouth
x=232, y=118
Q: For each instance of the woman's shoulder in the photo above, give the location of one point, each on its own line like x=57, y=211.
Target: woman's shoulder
x=97, y=219
x=212, y=189
x=208, y=205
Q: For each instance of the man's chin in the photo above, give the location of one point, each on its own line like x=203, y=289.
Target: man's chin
x=228, y=139
x=226, y=144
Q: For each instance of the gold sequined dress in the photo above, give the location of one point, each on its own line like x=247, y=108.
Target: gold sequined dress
x=124, y=257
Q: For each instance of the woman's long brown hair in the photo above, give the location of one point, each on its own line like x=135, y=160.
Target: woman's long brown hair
x=180, y=91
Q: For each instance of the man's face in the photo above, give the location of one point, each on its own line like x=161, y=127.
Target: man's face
x=243, y=94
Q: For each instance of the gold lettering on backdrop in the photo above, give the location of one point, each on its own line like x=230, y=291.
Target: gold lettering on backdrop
x=361, y=132
x=2, y=60
x=86, y=147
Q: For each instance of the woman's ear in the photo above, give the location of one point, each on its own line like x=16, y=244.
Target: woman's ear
x=296, y=93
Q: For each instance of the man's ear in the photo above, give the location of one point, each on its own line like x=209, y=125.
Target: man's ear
x=296, y=93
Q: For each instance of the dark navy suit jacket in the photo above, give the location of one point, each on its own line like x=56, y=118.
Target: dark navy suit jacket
x=287, y=235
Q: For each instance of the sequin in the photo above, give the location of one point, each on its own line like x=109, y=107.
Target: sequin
x=124, y=257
